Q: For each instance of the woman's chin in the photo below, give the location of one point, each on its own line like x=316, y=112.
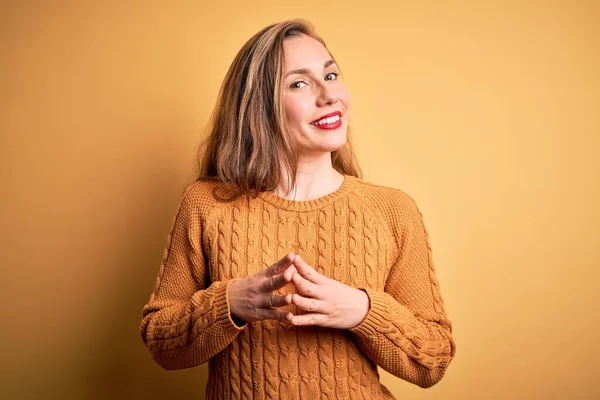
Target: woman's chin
x=328, y=148
x=326, y=142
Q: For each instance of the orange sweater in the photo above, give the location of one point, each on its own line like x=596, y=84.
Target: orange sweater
x=364, y=235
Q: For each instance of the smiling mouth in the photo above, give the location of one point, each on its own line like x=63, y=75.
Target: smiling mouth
x=327, y=121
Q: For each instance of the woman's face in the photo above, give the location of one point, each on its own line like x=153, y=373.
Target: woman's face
x=312, y=90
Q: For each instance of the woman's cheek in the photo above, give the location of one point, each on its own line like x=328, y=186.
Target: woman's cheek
x=344, y=96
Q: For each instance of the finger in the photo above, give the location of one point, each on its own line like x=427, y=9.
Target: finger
x=275, y=282
x=304, y=287
x=290, y=272
x=273, y=313
x=308, y=319
x=278, y=266
x=275, y=301
x=307, y=304
x=306, y=270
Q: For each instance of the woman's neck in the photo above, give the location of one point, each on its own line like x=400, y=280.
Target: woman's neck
x=312, y=181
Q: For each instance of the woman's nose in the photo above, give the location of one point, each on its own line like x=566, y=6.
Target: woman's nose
x=327, y=96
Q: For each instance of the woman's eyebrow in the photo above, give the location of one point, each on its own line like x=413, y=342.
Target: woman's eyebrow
x=306, y=70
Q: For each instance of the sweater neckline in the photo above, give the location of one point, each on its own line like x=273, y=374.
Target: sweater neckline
x=313, y=204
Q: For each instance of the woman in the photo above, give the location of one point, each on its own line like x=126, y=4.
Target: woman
x=284, y=269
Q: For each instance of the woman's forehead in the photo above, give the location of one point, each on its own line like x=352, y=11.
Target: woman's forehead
x=304, y=52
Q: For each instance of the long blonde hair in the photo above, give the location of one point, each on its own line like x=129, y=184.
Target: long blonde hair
x=247, y=140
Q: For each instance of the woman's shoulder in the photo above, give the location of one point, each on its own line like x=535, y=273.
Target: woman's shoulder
x=203, y=187
x=384, y=196
x=394, y=205
x=205, y=194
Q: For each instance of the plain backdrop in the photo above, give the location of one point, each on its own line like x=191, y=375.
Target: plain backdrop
x=486, y=113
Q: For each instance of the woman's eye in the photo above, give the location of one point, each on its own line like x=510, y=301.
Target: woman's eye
x=333, y=74
x=296, y=85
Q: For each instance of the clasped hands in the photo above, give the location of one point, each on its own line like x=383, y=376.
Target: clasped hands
x=328, y=303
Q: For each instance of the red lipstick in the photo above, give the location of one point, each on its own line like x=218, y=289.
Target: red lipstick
x=333, y=125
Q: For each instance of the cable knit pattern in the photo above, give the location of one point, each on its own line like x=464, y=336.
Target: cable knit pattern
x=256, y=355
x=364, y=235
x=271, y=353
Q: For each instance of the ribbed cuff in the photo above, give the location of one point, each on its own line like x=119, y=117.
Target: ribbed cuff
x=376, y=315
x=224, y=317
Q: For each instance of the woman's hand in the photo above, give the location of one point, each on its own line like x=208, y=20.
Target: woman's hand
x=329, y=303
x=252, y=299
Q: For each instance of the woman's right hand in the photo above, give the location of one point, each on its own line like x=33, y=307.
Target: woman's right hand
x=252, y=298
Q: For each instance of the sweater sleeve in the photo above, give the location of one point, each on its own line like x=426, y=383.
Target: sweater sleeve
x=406, y=330
x=186, y=320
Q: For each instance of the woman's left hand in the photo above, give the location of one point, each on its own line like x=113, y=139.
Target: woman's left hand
x=328, y=303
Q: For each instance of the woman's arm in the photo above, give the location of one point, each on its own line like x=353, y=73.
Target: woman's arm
x=187, y=320
x=407, y=331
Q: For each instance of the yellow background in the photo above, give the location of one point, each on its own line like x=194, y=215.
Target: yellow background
x=487, y=113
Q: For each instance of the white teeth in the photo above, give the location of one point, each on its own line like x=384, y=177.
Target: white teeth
x=329, y=120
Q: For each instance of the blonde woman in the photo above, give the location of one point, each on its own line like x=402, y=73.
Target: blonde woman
x=292, y=276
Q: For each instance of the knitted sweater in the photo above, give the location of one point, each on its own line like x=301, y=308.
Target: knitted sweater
x=364, y=235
